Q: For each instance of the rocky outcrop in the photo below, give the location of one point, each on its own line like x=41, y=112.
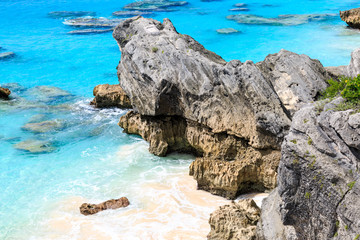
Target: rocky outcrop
x=233, y=115
x=110, y=96
x=235, y=221
x=89, y=209
x=4, y=93
x=318, y=181
x=351, y=17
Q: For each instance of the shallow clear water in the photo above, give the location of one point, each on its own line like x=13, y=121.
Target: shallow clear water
x=93, y=160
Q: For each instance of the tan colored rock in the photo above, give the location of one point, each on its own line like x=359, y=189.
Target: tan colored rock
x=4, y=93
x=236, y=221
x=165, y=134
x=107, y=95
x=226, y=166
x=89, y=209
x=351, y=17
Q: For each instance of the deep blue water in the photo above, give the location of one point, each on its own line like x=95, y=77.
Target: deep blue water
x=92, y=158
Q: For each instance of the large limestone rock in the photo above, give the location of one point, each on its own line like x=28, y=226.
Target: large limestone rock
x=351, y=17
x=230, y=112
x=236, y=221
x=318, y=181
x=107, y=95
x=89, y=209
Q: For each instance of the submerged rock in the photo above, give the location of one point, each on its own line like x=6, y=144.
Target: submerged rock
x=65, y=14
x=239, y=9
x=131, y=13
x=351, y=17
x=240, y=5
x=35, y=146
x=48, y=93
x=154, y=5
x=281, y=20
x=6, y=55
x=110, y=96
x=14, y=87
x=227, y=31
x=89, y=209
x=92, y=22
x=4, y=93
x=318, y=180
x=90, y=31
x=235, y=221
x=45, y=126
x=189, y=99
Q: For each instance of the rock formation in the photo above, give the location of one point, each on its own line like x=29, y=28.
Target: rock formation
x=232, y=115
x=4, y=93
x=110, y=96
x=318, y=188
x=235, y=221
x=44, y=126
x=89, y=209
x=351, y=17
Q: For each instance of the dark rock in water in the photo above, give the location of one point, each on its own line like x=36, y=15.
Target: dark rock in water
x=154, y=5
x=227, y=31
x=65, y=14
x=90, y=31
x=239, y=9
x=92, y=22
x=318, y=181
x=45, y=126
x=110, y=96
x=4, y=93
x=269, y=5
x=89, y=209
x=235, y=221
x=239, y=5
x=35, y=146
x=131, y=13
x=189, y=99
x=6, y=55
x=281, y=20
x=351, y=17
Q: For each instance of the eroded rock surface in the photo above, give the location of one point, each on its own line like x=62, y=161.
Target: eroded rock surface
x=351, y=17
x=230, y=114
x=236, y=221
x=89, y=209
x=318, y=181
x=107, y=95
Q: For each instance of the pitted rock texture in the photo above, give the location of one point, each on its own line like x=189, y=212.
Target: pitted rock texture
x=318, y=181
x=107, y=95
x=228, y=113
x=89, y=209
x=351, y=17
x=236, y=221
x=4, y=93
x=297, y=79
x=226, y=165
x=167, y=73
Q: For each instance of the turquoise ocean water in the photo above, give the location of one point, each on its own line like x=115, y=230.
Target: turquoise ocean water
x=92, y=160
